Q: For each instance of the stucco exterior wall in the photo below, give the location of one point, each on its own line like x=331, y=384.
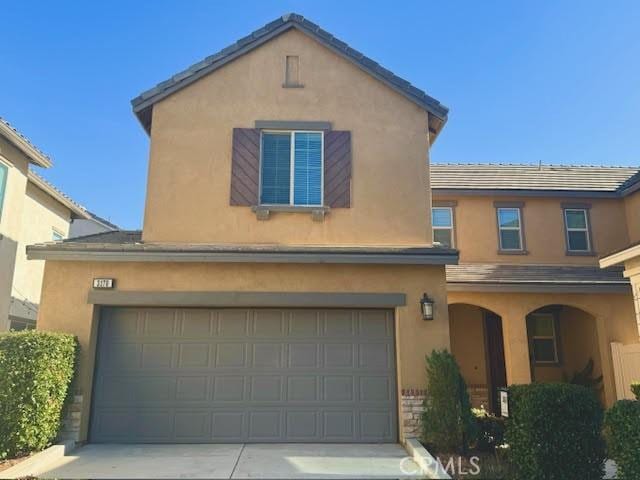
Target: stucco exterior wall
x=190, y=158
x=613, y=319
x=66, y=286
x=42, y=213
x=632, y=209
x=10, y=221
x=466, y=326
x=542, y=218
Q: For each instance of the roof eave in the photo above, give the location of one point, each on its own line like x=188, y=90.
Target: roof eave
x=620, y=256
x=143, y=104
x=32, y=153
x=76, y=210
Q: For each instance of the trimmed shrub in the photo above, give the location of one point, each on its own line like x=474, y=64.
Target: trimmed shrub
x=447, y=422
x=490, y=430
x=635, y=389
x=622, y=431
x=554, y=432
x=36, y=369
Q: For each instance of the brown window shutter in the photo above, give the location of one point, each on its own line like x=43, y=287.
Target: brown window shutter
x=337, y=169
x=245, y=167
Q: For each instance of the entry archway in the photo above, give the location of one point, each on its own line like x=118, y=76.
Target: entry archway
x=478, y=345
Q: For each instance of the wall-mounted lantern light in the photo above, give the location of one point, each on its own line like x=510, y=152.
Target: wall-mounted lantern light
x=426, y=307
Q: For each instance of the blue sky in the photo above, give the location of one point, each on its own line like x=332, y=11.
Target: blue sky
x=557, y=82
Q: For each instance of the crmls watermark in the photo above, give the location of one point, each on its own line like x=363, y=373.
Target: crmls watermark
x=454, y=466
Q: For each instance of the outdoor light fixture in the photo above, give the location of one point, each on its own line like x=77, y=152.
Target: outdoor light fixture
x=426, y=307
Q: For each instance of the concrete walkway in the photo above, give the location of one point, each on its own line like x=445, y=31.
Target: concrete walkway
x=233, y=461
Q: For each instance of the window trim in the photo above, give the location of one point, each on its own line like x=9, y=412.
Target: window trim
x=3, y=185
x=54, y=232
x=556, y=340
x=586, y=230
x=451, y=228
x=520, y=229
x=292, y=168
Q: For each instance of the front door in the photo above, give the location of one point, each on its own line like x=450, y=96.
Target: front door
x=494, y=346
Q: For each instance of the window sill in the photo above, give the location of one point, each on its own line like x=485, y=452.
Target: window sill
x=263, y=212
x=513, y=252
x=570, y=253
x=292, y=85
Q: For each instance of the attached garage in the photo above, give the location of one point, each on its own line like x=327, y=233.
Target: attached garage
x=189, y=375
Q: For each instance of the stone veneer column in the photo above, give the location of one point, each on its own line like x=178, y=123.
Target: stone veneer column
x=71, y=422
x=412, y=408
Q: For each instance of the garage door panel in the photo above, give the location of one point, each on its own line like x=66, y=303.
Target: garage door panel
x=227, y=375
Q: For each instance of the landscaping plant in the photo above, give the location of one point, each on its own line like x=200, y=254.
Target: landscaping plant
x=635, y=388
x=490, y=431
x=447, y=422
x=36, y=369
x=554, y=432
x=622, y=431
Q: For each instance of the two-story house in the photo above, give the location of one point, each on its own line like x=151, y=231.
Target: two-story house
x=277, y=289
x=31, y=211
x=528, y=300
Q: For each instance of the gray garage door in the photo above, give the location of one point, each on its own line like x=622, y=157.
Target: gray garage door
x=244, y=375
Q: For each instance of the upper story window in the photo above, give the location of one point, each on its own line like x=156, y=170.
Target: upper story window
x=576, y=221
x=442, y=222
x=56, y=236
x=291, y=168
x=4, y=172
x=510, y=229
x=543, y=337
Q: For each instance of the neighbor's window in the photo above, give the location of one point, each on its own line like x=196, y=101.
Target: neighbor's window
x=577, y=227
x=510, y=228
x=4, y=171
x=442, y=220
x=291, y=169
x=56, y=235
x=543, y=338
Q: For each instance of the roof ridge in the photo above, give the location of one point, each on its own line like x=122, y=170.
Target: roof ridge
x=535, y=165
x=281, y=24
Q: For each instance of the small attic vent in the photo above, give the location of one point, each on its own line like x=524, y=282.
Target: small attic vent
x=292, y=72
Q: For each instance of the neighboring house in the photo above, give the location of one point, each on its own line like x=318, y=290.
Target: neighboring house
x=31, y=211
x=528, y=284
x=274, y=293
x=91, y=225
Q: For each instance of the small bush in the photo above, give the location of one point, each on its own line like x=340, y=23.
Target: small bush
x=554, y=432
x=447, y=422
x=36, y=369
x=490, y=430
x=635, y=389
x=622, y=431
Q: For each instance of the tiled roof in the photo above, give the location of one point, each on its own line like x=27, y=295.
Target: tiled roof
x=61, y=197
x=632, y=184
x=143, y=103
x=114, y=237
x=479, y=273
x=24, y=144
x=529, y=177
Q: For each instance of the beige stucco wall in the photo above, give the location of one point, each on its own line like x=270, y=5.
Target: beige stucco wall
x=613, y=319
x=632, y=208
x=42, y=213
x=66, y=285
x=190, y=158
x=466, y=326
x=477, y=231
x=10, y=222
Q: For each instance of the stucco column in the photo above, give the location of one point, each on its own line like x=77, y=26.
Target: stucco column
x=516, y=347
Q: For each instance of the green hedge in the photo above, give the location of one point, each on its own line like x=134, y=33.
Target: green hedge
x=635, y=388
x=554, y=432
x=36, y=369
x=447, y=422
x=622, y=431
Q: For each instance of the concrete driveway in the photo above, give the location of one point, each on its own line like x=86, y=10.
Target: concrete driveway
x=233, y=461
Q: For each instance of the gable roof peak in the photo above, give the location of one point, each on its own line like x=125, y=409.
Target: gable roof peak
x=143, y=103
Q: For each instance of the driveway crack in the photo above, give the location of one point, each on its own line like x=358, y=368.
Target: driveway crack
x=237, y=461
